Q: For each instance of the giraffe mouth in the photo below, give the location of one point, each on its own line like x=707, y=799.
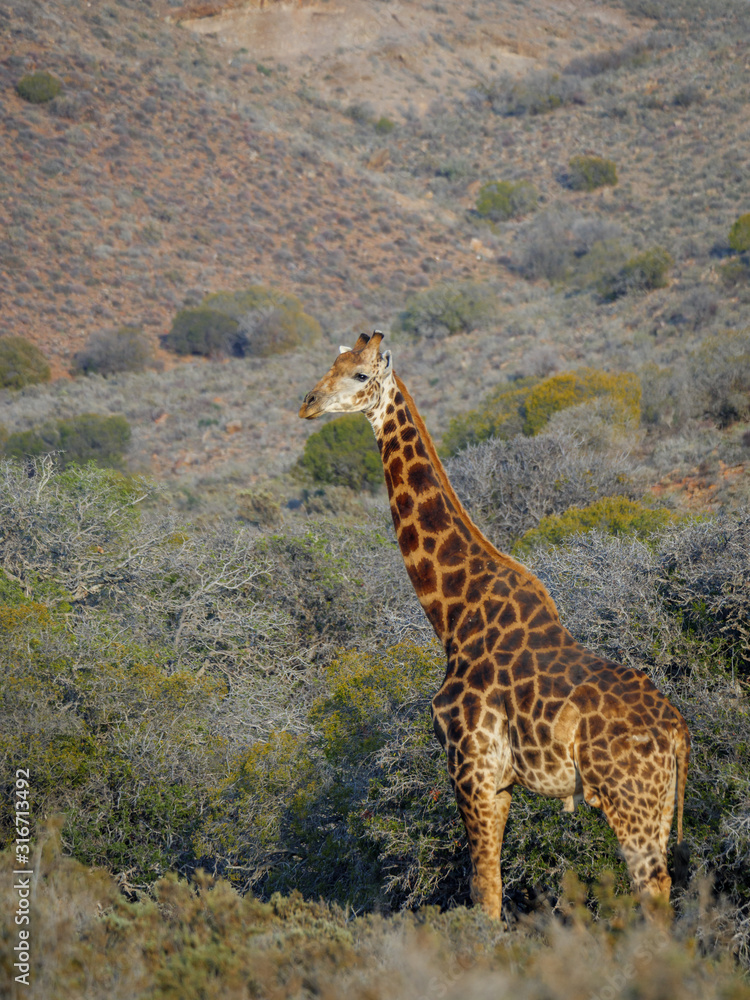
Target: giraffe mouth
x=312, y=406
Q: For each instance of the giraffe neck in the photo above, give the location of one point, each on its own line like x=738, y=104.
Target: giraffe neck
x=452, y=566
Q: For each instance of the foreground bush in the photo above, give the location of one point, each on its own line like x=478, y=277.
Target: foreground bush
x=21, y=363
x=212, y=697
x=108, y=352
x=85, y=438
x=39, y=87
x=587, y=173
x=202, y=941
x=501, y=200
x=344, y=453
x=447, y=309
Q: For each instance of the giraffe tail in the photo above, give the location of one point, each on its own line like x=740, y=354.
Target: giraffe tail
x=681, y=851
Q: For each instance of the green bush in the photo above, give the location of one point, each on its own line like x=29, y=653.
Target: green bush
x=572, y=388
x=642, y=273
x=39, y=87
x=739, y=234
x=21, y=364
x=384, y=126
x=447, y=309
x=586, y=173
x=125, y=350
x=613, y=515
x=202, y=331
x=735, y=273
x=296, y=810
x=344, y=453
x=501, y=200
x=86, y=438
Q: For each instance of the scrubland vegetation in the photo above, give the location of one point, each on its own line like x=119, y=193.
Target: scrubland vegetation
x=213, y=663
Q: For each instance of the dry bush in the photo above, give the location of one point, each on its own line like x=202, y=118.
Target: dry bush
x=509, y=486
x=720, y=377
x=107, y=352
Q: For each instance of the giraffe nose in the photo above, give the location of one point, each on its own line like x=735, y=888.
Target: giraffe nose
x=309, y=398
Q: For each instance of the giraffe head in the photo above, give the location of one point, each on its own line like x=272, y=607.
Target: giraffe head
x=355, y=382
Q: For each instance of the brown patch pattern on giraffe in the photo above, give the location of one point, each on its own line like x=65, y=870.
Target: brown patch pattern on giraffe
x=522, y=702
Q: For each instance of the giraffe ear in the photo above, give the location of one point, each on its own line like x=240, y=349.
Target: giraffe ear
x=344, y=350
x=387, y=359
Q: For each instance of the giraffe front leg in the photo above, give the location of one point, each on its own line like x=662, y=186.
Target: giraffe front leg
x=485, y=812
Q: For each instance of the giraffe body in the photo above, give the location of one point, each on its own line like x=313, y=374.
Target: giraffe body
x=522, y=703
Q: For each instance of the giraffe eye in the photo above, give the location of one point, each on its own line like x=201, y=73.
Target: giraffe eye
x=361, y=377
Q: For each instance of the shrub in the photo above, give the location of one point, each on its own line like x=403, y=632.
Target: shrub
x=384, y=126
x=501, y=415
x=86, y=438
x=501, y=200
x=203, y=331
x=642, y=273
x=572, y=388
x=509, y=486
x=688, y=95
x=298, y=810
x=258, y=321
x=259, y=507
x=273, y=330
x=739, y=234
x=125, y=350
x=613, y=515
x=39, y=87
x=534, y=94
x=735, y=272
x=525, y=406
x=345, y=453
x=586, y=173
x=21, y=364
x=270, y=322
x=720, y=377
x=447, y=309
x=561, y=244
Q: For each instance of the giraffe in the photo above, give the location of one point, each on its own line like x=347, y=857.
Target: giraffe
x=522, y=703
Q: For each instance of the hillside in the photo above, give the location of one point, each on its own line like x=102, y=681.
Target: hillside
x=189, y=155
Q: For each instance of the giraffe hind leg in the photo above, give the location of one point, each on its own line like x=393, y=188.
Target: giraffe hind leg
x=641, y=846
x=484, y=812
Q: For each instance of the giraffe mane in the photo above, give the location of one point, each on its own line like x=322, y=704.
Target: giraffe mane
x=501, y=557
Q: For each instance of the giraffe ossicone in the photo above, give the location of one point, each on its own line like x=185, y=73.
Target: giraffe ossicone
x=522, y=703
